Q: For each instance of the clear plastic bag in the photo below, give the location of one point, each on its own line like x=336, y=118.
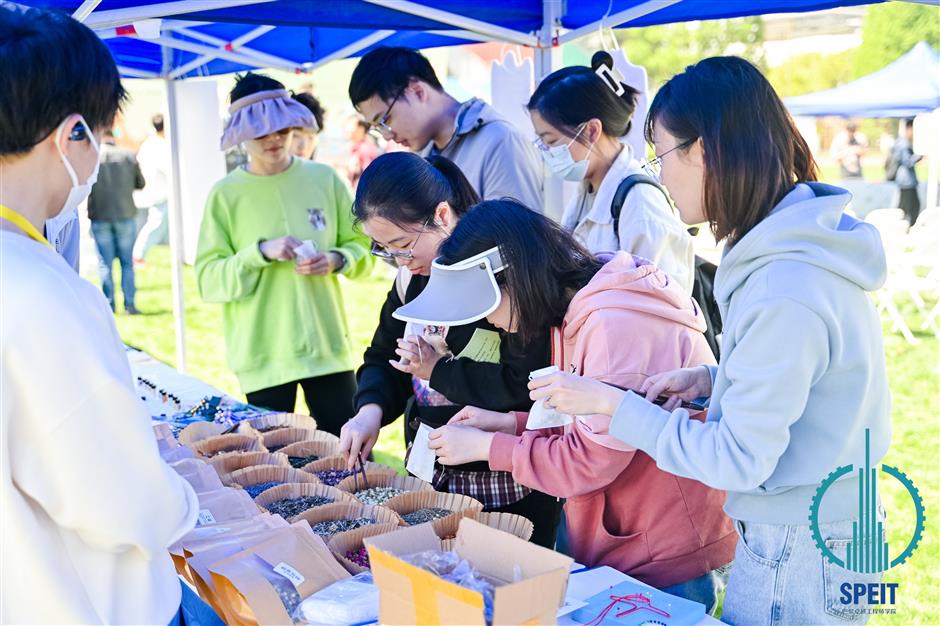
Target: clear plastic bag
x=350, y=601
x=450, y=567
x=541, y=416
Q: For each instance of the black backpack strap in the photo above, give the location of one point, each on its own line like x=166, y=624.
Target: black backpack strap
x=620, y=196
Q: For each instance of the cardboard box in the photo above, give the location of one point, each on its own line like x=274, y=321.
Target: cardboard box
x=410, y=595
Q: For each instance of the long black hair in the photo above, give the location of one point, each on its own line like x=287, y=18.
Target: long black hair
x=545, y=265
x=573, y=95
x=405, y=189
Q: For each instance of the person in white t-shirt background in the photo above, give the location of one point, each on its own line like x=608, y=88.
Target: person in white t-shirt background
x=89, y=507
x=154, y=160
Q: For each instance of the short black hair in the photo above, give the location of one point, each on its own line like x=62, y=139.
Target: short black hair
x=50, y=67
x=545, y=267
x=386, y=71
x=573, y=95
x=157, y=122
x=309, y=101
x=252, y=82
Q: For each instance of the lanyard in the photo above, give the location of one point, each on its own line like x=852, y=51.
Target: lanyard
x=9, y=214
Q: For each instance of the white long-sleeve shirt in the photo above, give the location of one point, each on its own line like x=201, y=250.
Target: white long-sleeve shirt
x=648, y=225
x=87, y=506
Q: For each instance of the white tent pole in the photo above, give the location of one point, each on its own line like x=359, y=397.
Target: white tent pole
x=86, y=9
x=131, y=72
x=460, y=21
x=236, y=57
x=176, y=217
x=463, y=34
x=234, y=45
x=621, y=17
x=548, y=59
x=266, y=60
x=122, y=17
x=351, y=49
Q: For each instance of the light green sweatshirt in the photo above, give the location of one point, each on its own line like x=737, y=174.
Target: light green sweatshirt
x=280, y=326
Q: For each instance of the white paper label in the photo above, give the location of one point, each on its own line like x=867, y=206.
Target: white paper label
x=289, y=573
x=421, y=457
x=541, y=416
x=306, y=250
x=205, y=517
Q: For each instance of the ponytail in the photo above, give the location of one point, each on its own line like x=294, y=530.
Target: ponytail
x=404, y=189
x=573, y=95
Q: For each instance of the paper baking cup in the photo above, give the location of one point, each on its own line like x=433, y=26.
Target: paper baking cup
x=338, y=462
x=341, y=543
x=298, y=489
x=267, y=423
x=197, y=431
x=384, y=479
x=322, y=448
x=348, y=510
x=220, y=444
x=268, y=473
x=461, y=505
x=286, y=436
x=229, y=462
x=507, y=522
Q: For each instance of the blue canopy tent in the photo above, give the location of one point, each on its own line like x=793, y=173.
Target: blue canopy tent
x=208, y=37
x=904, y=88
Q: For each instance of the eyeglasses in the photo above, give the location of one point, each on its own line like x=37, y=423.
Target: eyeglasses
x=406, y=255
x=654, y=166
x=381, y=127
x=544, y=147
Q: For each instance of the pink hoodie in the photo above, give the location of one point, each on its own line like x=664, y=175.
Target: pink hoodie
x=629, y=322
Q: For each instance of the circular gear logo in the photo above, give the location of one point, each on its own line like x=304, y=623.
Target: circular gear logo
x=868, y=552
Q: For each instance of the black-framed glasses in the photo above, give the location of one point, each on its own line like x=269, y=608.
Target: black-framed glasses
x=382, y=127
x=405, y=255
x=654, y=166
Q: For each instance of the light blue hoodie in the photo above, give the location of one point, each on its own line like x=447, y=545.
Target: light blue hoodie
x=802, y=371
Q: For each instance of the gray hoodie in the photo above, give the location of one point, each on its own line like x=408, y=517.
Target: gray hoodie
x=802, y=371
x=493, y=155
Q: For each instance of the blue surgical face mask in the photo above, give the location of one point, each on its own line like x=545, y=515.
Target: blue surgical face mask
x=562, y=164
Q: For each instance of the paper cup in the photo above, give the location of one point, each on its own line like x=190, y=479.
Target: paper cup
x=348, y=510
x=221, y=444
x=229, y=462
x=297, y=490
x=198, y=431
x=274, y=421
x=383, y=479
x=341, y=543
x=461, y=505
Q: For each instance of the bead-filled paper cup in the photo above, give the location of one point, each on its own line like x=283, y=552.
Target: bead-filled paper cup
x=298, y=452
x=507, y=522
x=250, y=477
x=282, y=437
x=347, y=511
x=275, y=421
x=334, y=469
x=229, y=462
x=342, y=543
x=383, y=480
x=198, y=431
x=221, y=444
x=459, y=505
x=269, y=498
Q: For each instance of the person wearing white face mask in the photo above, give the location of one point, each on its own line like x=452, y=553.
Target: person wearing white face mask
x=579, y=115
x=89, y=507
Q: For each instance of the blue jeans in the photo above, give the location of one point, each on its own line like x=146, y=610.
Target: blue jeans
x=194, y=611
x=781, y=577
x=705, y=589
x=115, y=239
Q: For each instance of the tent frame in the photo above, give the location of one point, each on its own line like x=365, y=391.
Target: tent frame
x=545, y=43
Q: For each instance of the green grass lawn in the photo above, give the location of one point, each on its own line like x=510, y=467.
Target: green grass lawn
x=913, y=373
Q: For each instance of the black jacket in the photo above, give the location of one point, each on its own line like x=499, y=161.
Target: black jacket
x=495, y=386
